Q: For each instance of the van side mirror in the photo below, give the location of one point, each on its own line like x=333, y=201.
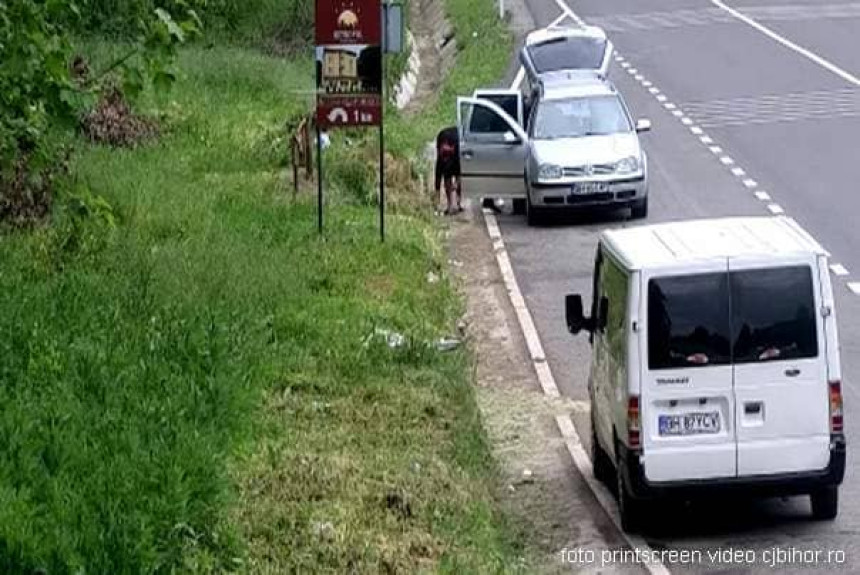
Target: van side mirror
x=576, y=320
x=643, y=125
x=511, y=138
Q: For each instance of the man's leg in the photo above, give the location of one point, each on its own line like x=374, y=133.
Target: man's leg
x=449, y=193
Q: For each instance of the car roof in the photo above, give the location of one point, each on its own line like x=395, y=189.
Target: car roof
x=676, y=243
x=554, y=32
x=574, y=84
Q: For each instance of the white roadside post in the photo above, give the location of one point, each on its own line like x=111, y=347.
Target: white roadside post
x=501, y=9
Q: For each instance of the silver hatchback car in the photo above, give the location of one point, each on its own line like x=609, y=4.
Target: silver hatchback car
x=575, y=147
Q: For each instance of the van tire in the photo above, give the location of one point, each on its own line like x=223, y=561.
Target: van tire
x=600, y=460
x=825, y=503
x=639, y=209
x=533, y=216
x=629, y=508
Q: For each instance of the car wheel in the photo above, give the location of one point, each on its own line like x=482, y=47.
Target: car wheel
x=533, y=214
x=639, y=210
x=629, y=508
x=825, y=503
x=519, y=206
x=600, y=460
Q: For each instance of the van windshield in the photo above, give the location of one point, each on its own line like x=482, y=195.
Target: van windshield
x=743, y=316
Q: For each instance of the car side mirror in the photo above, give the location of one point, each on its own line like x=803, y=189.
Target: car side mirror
x=643, y=125
x=576, y=320
x=511, y=138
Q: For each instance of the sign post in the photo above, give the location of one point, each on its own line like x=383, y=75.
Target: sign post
x=350, y=74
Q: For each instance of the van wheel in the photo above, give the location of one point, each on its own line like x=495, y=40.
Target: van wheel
x=600, y=460
x=639, y=210
x=825, y=503
x=629, y=508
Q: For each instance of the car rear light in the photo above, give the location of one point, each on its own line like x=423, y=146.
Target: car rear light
x=835, y=406
x=634, y=438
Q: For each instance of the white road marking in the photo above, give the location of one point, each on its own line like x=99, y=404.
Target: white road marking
x=716, y=150
x=738, y=171
x=726, y=160
x=697, y=130
x=662, y=98
x=775, y=209
x=854, y=287
x=632, y=70
x=625, y=64
x=750, y=183
x=647, y=84
x=654, y=90
x=838, y=269
x=763, y=196
x=559, y=20
x=533, y=343
x=848, y=77
x=669, y=106
x=566, y=9
x=638, y=77
x=677, y=113
x=707, y=140
x=686, y=121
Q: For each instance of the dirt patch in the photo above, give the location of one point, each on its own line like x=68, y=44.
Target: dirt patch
x=550, y=504
x=112, y=122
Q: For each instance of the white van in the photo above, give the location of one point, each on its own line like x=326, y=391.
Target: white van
x=715, y=363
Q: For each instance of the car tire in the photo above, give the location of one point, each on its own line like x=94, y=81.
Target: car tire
x=629, y=508
x=519, y=206
x=600, y=460
x=534, y=216
x=639, y=209
x=825, y=503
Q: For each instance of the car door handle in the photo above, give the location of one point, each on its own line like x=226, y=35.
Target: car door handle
x=752, y=408
x=468, y=155
x=793, y=372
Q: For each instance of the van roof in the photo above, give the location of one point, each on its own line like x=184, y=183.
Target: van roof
x=672, y=244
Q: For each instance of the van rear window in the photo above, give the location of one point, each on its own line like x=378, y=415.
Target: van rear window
x=742, y=317
x=567, y=54
x=688, y=321
x=773, y=314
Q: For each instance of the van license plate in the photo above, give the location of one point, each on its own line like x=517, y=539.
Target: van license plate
x=588, y=188
x=690, y=423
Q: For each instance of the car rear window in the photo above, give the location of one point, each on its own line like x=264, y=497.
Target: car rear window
x=567, y=54
x=773, y=314
x=688, y=321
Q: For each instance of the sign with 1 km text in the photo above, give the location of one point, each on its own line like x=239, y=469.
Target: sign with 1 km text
x=349, y=63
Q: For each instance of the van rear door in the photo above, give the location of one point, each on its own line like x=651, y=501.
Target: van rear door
x=780, y=365
x=687, y=398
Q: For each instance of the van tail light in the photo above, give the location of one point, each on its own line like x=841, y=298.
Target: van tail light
x=634, y=437
x=835, y=392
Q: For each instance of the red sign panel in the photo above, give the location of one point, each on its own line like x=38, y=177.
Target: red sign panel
x=350, y=111
x=348, y=22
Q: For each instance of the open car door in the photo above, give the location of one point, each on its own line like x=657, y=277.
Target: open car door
x=511, y=101
x=492, y=150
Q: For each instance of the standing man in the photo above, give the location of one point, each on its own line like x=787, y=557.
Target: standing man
x=448, y=167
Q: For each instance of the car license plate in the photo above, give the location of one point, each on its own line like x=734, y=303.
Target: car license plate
x=690, y=423
x=587, y=188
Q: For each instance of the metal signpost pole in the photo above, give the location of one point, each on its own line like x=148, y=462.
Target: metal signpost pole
x=382, y=129
x=319, y=181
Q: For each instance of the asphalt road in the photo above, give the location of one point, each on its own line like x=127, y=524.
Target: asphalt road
x=785, y=111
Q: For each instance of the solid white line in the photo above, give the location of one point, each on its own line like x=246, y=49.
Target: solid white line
x=605, y=498
x=559, y=20
x=738, y=171
x=750, y=183
x=566, y=9
x=763, y=196
x=789, y=44
x=547, y=382
x=776, y=209
x=839, y=270
x=521, y=74
x=707, y=140
x=854, y=287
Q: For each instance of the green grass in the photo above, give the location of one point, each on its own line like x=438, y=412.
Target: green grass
x=186, y=379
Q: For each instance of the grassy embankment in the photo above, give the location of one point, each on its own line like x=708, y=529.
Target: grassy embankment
x=187, y=380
